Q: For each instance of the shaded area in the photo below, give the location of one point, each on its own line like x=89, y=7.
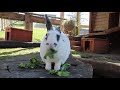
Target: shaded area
x=19, y=56
x=15, y=44
x=78, y=69
x=114, y=42
x=104, y=69
x=13, y=51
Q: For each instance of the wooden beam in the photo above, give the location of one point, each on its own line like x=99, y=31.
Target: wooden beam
x=12, y=15
x=112, y=30
x=2, y=24
x=106, y=32
x=21, y=17
x=28, y=22
x=90, y=23
x=42, y=20
x=94, y=34
x=62, y=16
x=119, y=19
x=78, y=23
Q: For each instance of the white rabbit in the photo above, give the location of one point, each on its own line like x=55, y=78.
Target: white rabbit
x=58, y=41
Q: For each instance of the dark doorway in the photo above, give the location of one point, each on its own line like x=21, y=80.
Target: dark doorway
x=87, y=45
x=114, y=20
x=7, y=35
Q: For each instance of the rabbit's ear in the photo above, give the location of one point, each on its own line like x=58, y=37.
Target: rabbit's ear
x=48, y=23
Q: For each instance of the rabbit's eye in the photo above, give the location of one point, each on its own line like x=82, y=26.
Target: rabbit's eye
x=47, y=43
x=46, y=36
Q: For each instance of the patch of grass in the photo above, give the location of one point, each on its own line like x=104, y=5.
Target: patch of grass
x=38, y=34
x=76, y=53
x=21, y=27
x=81, y=54
x=86, y=55
x=2, y=34
x=15, y=52
x=102, y=58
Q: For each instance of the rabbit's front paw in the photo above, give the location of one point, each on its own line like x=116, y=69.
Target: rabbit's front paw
x=57, y=66
x=48, y=66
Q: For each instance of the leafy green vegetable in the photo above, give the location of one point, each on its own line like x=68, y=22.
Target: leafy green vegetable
x=52, y=71
x=33, y=60
x=65, y=66
x=63, y=73
x=33, y=63
x=50, y=53
x=22, y=65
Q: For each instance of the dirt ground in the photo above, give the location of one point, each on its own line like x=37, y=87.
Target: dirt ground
x=81, y=71
x=77, y=69
x=113, y=58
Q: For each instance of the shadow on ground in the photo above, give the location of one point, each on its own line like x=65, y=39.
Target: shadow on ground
x=78, y=69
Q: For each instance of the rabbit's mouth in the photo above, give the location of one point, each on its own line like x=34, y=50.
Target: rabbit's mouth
x=50, y=53
x=53, y=50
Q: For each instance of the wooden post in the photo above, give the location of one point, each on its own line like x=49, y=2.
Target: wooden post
x=61, y=16
x=28, y=22
x=119, y=19
x=2, y=24
x=78, y=23
x=91, y=22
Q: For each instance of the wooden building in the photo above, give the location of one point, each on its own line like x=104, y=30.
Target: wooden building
x=104, y=21
x=105, y=25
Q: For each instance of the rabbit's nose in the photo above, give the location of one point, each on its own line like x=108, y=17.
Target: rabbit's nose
x=47, y=43
x=51, y=45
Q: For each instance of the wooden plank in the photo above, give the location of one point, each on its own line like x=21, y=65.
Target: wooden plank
x=101, y=20
x=109, y=31
x=91, y=22
x=21, y=17
x=101, y=13
x=102, y=27
x=115, y=29
x=102, y=17
x=99, y=28
x=12, y=15
x=78, y=23
x=62, y=16
x=119, y=20
x=2, y=24
x=42, y=20
x=94, y=34
x=101, y=23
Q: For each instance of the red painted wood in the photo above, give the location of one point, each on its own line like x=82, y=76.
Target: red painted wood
x=18, y=34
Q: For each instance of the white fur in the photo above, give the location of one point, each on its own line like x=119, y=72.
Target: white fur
x=63, y=49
